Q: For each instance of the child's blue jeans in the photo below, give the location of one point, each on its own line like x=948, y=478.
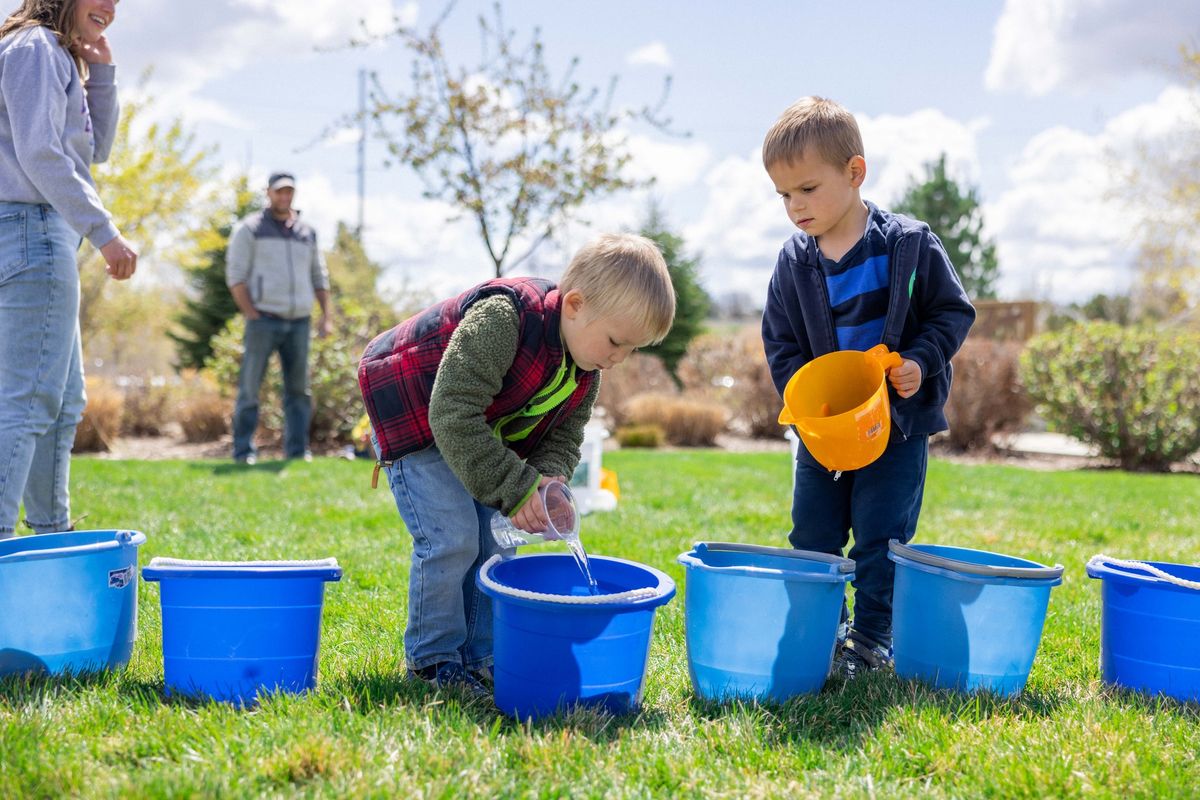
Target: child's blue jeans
x=449, y=619
x=41, y=367
x=878, y=502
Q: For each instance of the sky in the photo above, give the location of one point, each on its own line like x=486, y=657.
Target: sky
x=1034, y=102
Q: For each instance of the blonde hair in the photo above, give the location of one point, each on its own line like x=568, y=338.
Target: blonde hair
x=58, y=16
x=817, y=123
x=624, y=275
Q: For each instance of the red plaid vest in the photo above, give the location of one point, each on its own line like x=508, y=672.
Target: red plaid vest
x=397, y=369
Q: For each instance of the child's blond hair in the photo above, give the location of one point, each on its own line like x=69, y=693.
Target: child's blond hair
x=622, y=274
x=815, y=123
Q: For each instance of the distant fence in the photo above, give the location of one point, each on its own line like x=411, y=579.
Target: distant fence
x=1002, y=320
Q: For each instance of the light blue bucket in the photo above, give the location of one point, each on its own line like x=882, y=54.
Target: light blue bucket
x=68, y=601
x=761, y=621
x=968, y=619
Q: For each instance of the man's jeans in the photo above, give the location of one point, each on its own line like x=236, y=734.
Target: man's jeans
x=41, y=366
x=449, y=619
x=264, y=336
x=879, y=502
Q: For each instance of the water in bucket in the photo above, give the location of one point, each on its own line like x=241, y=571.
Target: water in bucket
x=564, y=525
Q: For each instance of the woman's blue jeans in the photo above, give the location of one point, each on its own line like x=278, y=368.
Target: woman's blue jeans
x=41, y=366
x=449, y=619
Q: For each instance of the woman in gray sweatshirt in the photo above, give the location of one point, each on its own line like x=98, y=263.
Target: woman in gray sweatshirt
x=58, y=114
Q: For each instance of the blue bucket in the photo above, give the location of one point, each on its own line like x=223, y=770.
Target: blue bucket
x=968, y=619
x=233, y=630
x=68, y=601
x=1149, y=626
x=761, y=621
x=557, y=646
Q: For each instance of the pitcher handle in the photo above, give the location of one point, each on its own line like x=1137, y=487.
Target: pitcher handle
x=884, y=357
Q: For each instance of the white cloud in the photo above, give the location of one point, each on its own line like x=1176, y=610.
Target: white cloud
x=1067, y=229
x=1039, y=45
x=654, y=54
x=899, y=147
x=221, y=37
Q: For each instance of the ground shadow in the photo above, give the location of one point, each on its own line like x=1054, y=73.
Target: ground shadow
x=366, y=692
x=233, y=468
x=845, y=713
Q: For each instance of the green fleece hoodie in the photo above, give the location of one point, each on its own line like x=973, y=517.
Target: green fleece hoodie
x=471, y=373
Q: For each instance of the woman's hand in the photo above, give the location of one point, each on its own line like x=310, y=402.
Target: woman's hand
x=120, y=258
x=97, y=52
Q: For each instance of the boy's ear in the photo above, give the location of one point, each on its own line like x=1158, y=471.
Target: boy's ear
x=858, y=170
x=572, y=304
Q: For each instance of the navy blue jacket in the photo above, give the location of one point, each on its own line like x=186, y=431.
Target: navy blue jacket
x=927, y=319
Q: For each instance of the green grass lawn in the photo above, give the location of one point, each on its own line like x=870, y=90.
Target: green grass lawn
x=367, y=732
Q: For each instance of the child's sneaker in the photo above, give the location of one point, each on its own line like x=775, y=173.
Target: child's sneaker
x=452, y=675
x=859, y=655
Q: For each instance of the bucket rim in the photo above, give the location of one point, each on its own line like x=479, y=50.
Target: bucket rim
x=917, y=555
x=120, y=539
x=840, y=569
x=1103, y=567
x=663, y=590
x=161, y=568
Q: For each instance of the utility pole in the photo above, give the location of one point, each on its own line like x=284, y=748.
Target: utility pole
x=362, y=149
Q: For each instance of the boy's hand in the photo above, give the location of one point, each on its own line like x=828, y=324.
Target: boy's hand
x=532, y=515
x=906, y=378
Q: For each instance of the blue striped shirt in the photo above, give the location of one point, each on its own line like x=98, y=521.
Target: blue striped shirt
x=858, y=292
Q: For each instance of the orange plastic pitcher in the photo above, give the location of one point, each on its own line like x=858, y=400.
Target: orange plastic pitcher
x=839, y=405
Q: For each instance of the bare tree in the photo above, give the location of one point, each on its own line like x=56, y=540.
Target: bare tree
x=504, y=141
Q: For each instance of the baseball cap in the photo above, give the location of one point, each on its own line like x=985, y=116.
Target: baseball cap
x=281, y=180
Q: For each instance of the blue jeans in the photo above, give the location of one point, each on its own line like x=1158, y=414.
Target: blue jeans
x=41, y=366
x=264, y=336
x=449, y=619
x=879, y=502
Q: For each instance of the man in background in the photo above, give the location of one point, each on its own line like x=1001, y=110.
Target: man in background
x=275, y=271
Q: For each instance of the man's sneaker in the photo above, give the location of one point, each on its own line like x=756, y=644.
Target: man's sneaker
x=451, y=675
x=249, y=460
x=859, y=655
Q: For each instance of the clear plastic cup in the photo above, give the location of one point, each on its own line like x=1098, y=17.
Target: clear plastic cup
x=560, y=507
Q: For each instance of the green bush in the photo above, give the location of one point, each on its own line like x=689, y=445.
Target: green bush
x=333, y=364
x=1132, y=392
x=641, y=436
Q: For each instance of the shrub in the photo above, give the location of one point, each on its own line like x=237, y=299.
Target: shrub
x=731, y=369
x=1132, y=392
x=333, y=364
x=203, y=414
x=640, y=436
x=101, y=423
x=987, y=397
x=148, y=407
x=686, y=421
x=636, y=375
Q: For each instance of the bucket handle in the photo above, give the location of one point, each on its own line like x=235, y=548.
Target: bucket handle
x=1101, y=560
x=842, y=564
x=629, y=596
x=122, y=539
x=985, y=570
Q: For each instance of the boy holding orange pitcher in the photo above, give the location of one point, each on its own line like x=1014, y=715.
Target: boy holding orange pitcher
x=853, y=277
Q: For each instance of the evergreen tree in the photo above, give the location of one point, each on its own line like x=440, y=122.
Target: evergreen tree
x=205, y=315
x=353, y=276
x=691, y=301
x=955, y=216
